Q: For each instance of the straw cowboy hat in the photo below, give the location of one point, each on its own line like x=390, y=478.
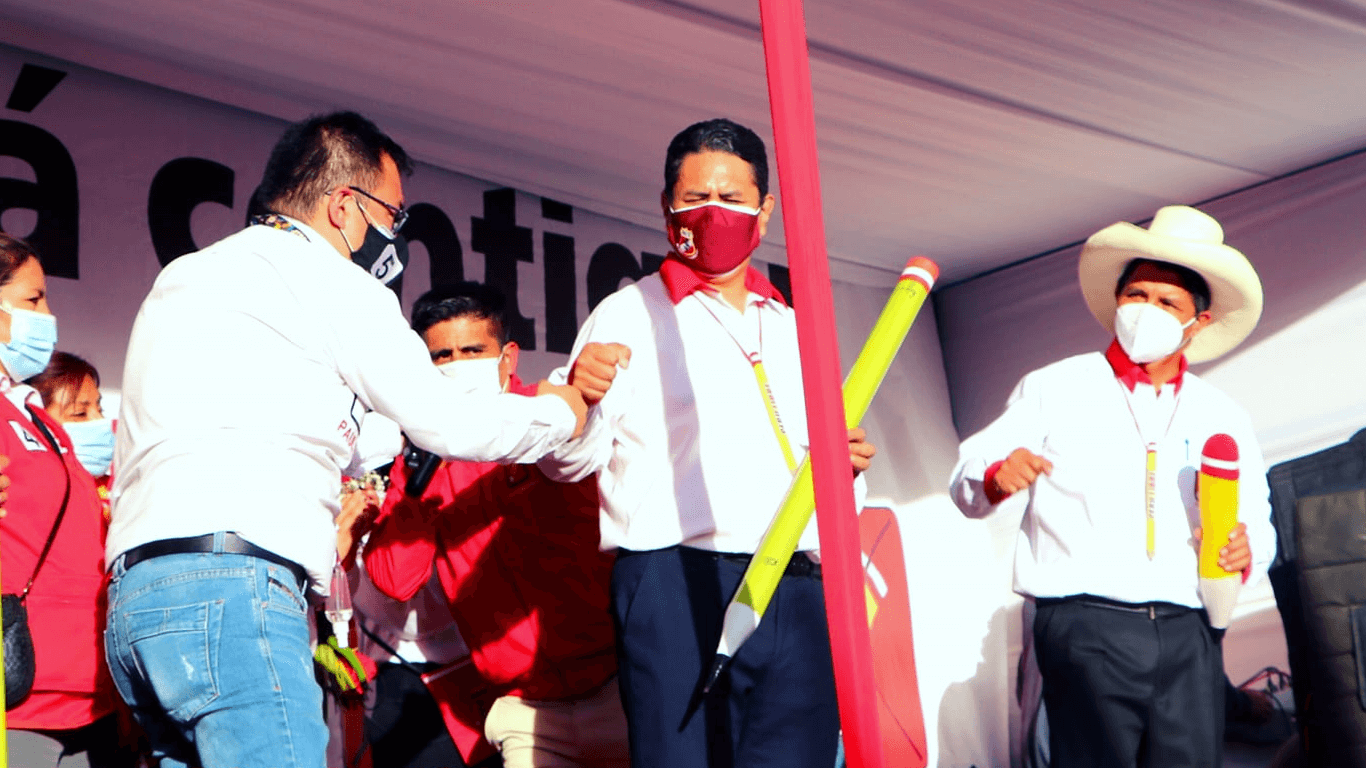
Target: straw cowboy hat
x=1180, y=235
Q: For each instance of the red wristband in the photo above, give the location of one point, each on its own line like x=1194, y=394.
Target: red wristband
x=994, y=494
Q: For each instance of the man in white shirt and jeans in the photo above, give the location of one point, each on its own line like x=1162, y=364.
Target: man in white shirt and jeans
x=250, y=365
x=1132, y=672
x=698, y=424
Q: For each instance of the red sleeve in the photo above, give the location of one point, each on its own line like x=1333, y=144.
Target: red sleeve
x=398, y=555
x=994, y=495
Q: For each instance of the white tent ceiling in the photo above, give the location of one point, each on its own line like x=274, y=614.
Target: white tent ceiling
x=976, y=131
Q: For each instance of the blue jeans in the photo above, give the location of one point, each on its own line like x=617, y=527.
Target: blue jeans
x=211, y=651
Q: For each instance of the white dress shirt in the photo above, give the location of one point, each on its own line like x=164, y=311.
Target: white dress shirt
x=1084, y=528
x=250, y=365
x=682, y=442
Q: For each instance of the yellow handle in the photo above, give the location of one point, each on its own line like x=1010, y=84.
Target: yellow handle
x=1218, y=517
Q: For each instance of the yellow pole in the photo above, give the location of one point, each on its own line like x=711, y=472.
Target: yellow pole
x=780, y=541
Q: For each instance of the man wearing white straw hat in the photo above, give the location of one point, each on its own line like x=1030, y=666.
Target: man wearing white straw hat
x=1106, y=448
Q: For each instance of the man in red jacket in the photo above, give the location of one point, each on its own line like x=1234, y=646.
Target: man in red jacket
x=518, y=559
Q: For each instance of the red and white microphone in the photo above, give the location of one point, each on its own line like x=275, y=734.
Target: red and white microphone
x=1217, y=490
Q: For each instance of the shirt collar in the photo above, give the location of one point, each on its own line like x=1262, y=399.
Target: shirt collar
x=680, y=281
x=515, y=386
x=18, y=393
x=1131, y=374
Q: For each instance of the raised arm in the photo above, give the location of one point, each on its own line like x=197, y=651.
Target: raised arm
x=388, y=367
x=1003, y=458
x=600, y=370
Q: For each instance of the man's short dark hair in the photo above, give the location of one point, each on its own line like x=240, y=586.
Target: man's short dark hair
x=718, y=135
x=1191, y=280
x=466, y=299
x=322, y=153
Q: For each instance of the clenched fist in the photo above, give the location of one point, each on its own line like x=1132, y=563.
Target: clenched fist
x=596, y=367
x=1019, y=471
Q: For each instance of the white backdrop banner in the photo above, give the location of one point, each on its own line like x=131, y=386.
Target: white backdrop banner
x=111, y=179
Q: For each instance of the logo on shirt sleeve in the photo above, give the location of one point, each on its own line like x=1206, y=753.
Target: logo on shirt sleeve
x=349, y=427
x=30, y=442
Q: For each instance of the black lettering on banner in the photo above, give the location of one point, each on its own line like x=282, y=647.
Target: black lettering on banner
x=561, y=293
x=781, y=278
x=255, y=207
x=429, y=225
x=610, y=264
x=53, y=196
x=503, y=244
x=561, y=289
x=557, y=211
x=32, y=86
x=177, y=189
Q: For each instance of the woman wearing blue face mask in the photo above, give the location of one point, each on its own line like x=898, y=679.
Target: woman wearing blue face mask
x=69, y=714
x=70, y=388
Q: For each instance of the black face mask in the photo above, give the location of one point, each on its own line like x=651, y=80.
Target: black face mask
x=382, y=256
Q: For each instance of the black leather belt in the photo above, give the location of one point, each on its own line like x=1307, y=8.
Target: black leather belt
x=232, y=545
x=800, y=565
x=1153, y=610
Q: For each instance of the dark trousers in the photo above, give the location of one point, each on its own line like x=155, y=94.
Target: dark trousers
x=774, y=705
x=1127, y=688
x=406, y=730
x=101, y=744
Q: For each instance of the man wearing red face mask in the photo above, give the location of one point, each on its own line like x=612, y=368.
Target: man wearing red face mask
x=696, y=425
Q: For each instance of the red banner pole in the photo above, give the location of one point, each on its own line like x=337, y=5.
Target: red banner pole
x=794, y=139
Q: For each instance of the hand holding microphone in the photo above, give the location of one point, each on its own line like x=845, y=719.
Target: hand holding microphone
x=1224, y=550
x=1236, y=554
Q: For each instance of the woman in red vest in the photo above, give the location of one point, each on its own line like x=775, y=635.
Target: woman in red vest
x=69, y=714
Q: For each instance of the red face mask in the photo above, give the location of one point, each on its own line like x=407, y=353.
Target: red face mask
x=714, y=237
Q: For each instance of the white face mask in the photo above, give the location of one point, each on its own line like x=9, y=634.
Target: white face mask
x=478, y=376
x=1147, y=332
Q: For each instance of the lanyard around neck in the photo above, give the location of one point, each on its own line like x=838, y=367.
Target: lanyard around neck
x=276, y=221
x=756, y=363
x=1150, y=463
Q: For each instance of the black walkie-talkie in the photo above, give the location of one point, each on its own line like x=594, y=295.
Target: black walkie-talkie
x=421, y=465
